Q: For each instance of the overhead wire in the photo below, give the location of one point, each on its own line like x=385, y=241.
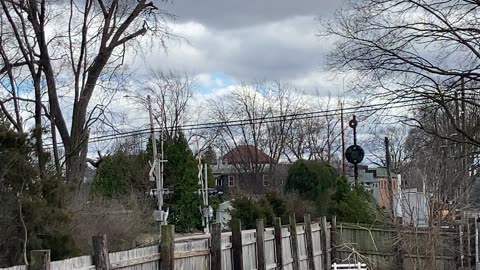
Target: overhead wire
x=265, y=120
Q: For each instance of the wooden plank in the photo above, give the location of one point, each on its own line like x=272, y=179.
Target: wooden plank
x=40, y=260
x=333, y=239
x=196, y=253
x=278, y=242
x=469, y=243
x=167, y=247
x=237, y=246
x=294, y=242
x=100, y=252
x=136, y=261
x=460, y=256
x=216, y=246
x=260, y=237
x=325, y=244
x=192, y=237
x=309, y=241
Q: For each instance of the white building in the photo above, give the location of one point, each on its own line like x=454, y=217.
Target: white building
x=412, y=206
x=223, y=214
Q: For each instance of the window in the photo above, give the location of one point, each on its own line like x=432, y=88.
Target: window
x=265, y=180
x=231, y=180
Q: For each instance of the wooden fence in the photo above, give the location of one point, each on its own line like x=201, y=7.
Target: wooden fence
x=290, y=247
x=386, y=248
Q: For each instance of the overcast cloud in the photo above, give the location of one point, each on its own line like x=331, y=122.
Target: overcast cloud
x=263, y=40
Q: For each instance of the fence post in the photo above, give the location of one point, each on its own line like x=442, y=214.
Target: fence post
x=309, y=241
x=460, y=257
x=278, y=243
x=260, y=245
x=470, y=243
x=100, y=252
x=333, y=238
x=39, y=260
x=216, y=246
x=325, y=243
x=294, y=241
x=237, y=244
x=167, y=247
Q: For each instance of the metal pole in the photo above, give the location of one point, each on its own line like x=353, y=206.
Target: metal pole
x=389, y=177
x=355, y=167
x=207, y=218
x=202, y=191
x=343, y=140
x=156, y=163
x=161, y=168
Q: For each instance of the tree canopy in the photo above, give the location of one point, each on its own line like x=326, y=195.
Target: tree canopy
x=32, y=214
x=332, y=194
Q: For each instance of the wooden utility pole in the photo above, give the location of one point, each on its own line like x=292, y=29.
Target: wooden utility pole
x=389, y=177
x=344, y=170
x=157, y=169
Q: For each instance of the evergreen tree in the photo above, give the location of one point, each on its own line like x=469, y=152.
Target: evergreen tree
x=181, y=175
x=319, y=182
x=31, y=210
x=122, y=173
x=313, y=180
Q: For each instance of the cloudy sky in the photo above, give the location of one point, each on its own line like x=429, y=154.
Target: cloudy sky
x=227, y=42
x=231, y=42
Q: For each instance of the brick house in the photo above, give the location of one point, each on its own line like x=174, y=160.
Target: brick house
x=246, y=169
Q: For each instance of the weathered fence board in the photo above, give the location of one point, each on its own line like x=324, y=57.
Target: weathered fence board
x=84, y=262
x=227, y=263
x=375, y=247
x=194, y=252
x=192, y=255
x=145, y=258
x=18, y=267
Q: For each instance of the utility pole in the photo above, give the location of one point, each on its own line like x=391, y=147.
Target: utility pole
x=389, y=177
x=207, y=206
x=465, y=159
x=344, y=170
x=203, y=181
x=156, y=172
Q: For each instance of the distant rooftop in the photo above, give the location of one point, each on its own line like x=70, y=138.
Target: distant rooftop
x=246, y=154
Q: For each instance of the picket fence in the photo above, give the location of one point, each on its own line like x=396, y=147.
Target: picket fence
x=293, y=247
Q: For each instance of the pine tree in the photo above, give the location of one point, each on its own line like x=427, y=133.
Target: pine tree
x=181, y=175
x=31, y=210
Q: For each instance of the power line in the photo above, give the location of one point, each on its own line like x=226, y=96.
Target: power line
x=264, y=120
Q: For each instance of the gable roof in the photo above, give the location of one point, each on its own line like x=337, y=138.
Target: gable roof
x=247, y=154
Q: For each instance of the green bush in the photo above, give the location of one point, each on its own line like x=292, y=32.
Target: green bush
x=332, y=194
x=120, y=174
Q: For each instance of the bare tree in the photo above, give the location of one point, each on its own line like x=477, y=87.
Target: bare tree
x=48, y=44
x=417, y=51
x=262, y=119
x=171, y=93
x=315, y=138
x=397, y=135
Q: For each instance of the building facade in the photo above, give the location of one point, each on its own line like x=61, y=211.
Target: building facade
x=247, y=170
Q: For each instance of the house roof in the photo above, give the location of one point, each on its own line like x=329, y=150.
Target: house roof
x=247, y=154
